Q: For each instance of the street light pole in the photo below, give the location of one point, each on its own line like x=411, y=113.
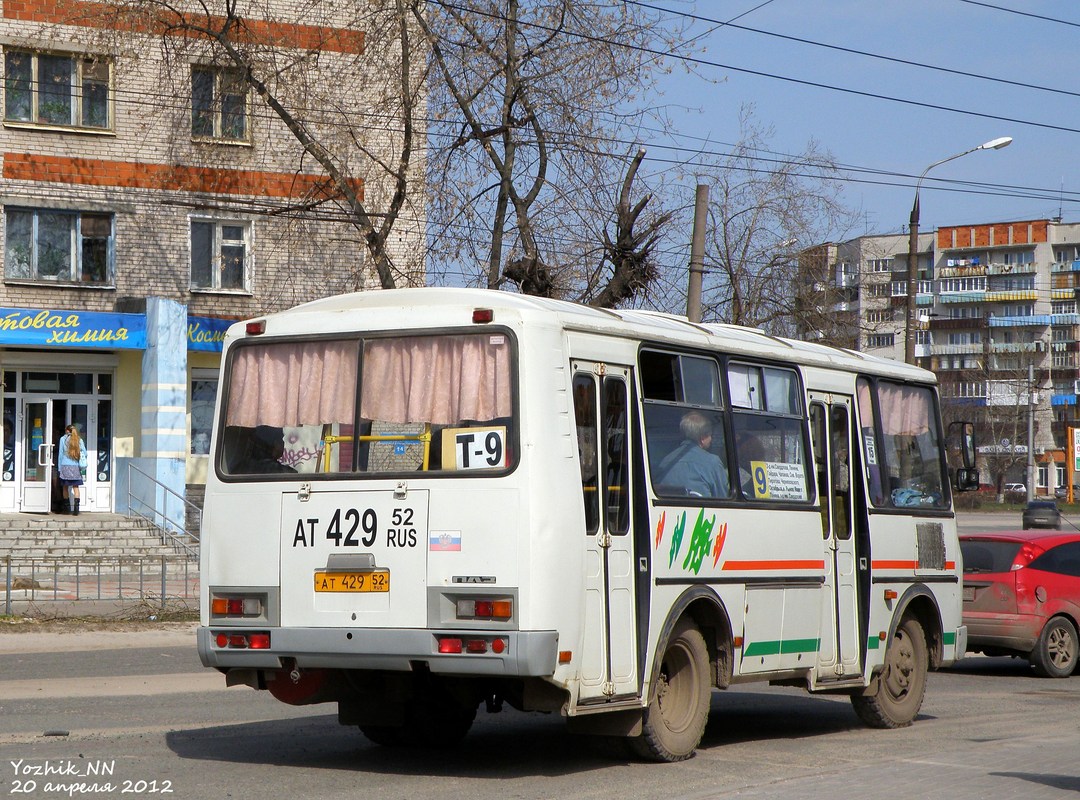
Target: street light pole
x=913, y=245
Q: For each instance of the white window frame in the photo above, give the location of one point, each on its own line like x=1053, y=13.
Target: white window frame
x=216, y=111
x=82, y=79
x=76, y=241
x=219, y=240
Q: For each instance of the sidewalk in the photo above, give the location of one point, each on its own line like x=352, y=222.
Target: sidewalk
x=50, y=638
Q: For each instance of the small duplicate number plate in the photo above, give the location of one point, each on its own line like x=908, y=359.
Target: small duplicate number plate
x=376, y=581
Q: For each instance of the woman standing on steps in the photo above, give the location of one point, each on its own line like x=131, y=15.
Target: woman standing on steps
x=72, y=458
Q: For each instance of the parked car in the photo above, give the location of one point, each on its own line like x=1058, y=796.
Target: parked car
x=1041, y=514
x=1015, y=488
x=1062, y=492
x=1022, y=597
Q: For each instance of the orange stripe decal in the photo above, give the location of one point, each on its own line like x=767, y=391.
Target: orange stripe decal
x=894, y=565
x=774, y=565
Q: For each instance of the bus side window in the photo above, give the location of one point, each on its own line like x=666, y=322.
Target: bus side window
x=588, y=453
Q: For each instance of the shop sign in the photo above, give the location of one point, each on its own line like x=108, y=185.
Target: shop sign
x=50, y=328
x=207, y=333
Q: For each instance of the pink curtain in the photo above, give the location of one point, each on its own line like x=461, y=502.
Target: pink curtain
x=905, y=410
x=438, y=379
x=310, y=383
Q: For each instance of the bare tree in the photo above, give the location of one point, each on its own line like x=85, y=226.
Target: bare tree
x=526, y=106
x=346, y=82
x=763, y=210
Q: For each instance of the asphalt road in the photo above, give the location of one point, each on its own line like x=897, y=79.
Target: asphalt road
x=141, y=706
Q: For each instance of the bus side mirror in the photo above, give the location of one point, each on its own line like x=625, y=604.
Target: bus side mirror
x=966, y=480
x=961, y=455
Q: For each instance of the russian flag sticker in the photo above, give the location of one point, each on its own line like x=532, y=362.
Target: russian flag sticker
x=444, y=540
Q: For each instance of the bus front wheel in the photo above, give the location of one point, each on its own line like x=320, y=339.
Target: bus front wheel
x=675, y=718
x=901, y=684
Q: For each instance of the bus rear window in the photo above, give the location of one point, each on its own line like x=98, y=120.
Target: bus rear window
x=375, y=406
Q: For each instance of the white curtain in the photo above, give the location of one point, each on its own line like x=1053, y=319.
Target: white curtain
x=287, y=385
x=442, y=380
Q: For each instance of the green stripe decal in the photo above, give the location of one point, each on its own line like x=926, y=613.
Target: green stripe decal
x=873, y=643
x=948, y=639
x=781, y=647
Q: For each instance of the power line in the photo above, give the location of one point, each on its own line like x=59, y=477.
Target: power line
x=866, y=54
x=774, y=76
x=1022, y=13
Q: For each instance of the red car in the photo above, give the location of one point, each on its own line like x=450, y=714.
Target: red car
x=1022, y=596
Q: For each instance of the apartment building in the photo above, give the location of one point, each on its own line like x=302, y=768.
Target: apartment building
x=150, y=198
x=997, y=320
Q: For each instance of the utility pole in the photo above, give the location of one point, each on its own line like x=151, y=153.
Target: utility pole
x=697, y=254
x=1030, y=483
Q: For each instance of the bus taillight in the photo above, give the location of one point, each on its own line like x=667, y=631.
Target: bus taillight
x=242, y=641
x=236, y=606
x=454, y=645
x=449, y=644
x=485, y=608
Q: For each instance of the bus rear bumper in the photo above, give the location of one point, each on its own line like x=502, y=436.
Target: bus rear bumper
x=524, y=653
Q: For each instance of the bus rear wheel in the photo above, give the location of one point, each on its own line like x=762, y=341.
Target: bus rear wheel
x=675, y=718
x=901, y=684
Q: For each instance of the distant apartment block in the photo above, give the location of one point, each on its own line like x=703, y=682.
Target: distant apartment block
x=997, y=320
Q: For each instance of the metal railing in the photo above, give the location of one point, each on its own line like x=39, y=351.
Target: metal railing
x=68, y=578
x=173, y=531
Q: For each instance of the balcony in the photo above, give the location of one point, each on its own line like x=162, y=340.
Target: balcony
x=1016, y=347
x=958, y=349
x=1011, y=295
x=962, y=297
x=1012, y=269
x=1032, y=320
x=968, y=271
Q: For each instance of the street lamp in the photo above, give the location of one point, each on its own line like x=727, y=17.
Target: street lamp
x=913, y=245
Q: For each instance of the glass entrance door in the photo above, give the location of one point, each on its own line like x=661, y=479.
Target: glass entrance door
x=36, y=456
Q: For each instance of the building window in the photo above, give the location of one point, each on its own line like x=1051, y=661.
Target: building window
x=1019, y=257
x=880, y=340
x=45, y=89
x=204, y=388
x=219, y=104
x=962, y=285
x=880, y=264
x=219, y=259
x=58, y=246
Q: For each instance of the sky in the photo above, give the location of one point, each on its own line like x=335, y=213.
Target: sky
x=850, y=114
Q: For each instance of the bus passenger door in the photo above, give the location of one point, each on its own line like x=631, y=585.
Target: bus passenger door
x=602, y=413
x=830, y=419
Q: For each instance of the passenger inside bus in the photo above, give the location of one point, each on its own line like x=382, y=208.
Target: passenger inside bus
x=692, y=466
x=267, y=448
x=749, y=448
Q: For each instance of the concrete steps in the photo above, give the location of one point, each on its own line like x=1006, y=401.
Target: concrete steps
x=86, y=538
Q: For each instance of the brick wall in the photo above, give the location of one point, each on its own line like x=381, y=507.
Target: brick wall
x=151, y=174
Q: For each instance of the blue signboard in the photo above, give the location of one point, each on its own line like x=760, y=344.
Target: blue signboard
x=52, y=328
x=207, y=333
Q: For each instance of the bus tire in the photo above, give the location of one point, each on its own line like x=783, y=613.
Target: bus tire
x=1055, y=652
x=901, y=684
x=675, y=718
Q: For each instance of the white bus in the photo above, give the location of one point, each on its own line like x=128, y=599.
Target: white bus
x=428, y=500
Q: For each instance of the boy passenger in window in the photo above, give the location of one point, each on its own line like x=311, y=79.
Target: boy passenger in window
x=692, y=466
